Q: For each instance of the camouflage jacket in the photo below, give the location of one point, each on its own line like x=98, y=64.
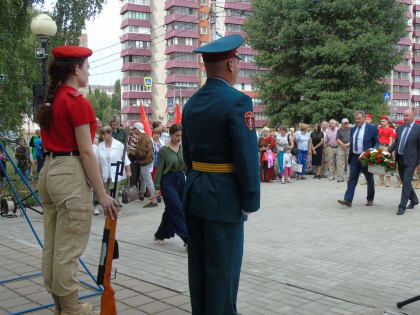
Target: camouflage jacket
x=22, y=157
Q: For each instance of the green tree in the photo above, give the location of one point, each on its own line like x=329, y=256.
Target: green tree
x=116, y=97
x=19, y=69
x=327, y=58
x=102, y=105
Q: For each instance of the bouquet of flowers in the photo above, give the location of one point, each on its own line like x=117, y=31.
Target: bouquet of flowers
x=377, y=157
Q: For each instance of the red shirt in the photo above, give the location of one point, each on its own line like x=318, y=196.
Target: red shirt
x=384, y=134
x=70, y=110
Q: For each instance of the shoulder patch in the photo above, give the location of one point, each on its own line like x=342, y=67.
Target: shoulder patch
x=250, y=120
x=74, y=93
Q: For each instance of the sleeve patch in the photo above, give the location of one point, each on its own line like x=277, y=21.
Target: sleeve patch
x=250, y=120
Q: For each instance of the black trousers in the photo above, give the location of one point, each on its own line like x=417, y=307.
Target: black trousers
x=135, y=174
x=406, y=173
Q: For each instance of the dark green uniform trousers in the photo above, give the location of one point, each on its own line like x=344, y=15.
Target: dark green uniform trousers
x=215, y=252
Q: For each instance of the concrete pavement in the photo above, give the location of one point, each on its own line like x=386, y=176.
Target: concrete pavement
x=304, y=254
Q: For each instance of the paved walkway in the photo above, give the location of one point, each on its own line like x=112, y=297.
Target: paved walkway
x=304, y=255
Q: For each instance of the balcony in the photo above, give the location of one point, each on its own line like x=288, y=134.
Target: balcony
x=416, y=7
x=245, y=80
x=247, y=65
x=135, y=22
x=180, y=3
x=179, y=93
x=179, y=48
x=243, y=34
x=402, y=68
x=181, y=18
x=238, y=6
x=136, y=52
x=135, y=110
x=397, y=82
x=235, y=20
x=415, y=72
x=247, y=51
x=172, y=78
x=132, y=80
x=408, y=15
x=401, y=96
x=416, y=59
x=405, y=41
x=181, y=33
x=136, y=36
x=127, y=95
x=181, y=64
x=135, y=7
x=415, y=98
x=136, y=66
x=416, y=85
x=416, y=20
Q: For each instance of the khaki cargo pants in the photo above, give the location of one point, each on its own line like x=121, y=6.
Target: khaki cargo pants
x=67, y=201
x=342, y=160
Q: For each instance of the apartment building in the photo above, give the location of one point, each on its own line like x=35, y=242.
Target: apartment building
x=158, y=39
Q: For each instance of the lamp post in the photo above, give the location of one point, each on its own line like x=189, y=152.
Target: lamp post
x=43, y=27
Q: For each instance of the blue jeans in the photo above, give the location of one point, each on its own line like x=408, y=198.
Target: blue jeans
x=280, y=161
x=302, y=160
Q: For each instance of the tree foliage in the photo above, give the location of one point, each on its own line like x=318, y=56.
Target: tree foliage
x=327, y=58
x=103, y=105
x=19, y=69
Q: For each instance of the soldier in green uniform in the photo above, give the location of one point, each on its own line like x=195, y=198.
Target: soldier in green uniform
x=222, y=187
x=23, y=158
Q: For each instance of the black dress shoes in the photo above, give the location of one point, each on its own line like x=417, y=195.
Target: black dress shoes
x=412, y=205
x=369, y=203
x=400, y=211
x=344, y=203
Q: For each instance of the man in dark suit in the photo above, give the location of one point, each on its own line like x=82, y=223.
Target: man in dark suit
x=407, y=149
x=363, y=136
x=222, y=187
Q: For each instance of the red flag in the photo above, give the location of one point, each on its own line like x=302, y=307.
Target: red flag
x=144, y=121
x=178, y=115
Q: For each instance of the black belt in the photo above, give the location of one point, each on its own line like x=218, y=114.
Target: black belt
x=333, y=147
x=55, y=154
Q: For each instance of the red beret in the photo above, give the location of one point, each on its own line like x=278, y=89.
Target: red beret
x=400, y=122
x=384, y=118
x=369, y=116
x=71, y=52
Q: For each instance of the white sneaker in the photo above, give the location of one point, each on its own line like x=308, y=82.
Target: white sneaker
x=96, y=210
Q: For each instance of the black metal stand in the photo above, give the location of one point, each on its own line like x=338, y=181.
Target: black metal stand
x=409, y=301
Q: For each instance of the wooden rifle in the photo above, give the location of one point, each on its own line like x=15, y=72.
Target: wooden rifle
x=109, y=249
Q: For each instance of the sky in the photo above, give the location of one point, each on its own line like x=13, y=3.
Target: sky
x=103, y=31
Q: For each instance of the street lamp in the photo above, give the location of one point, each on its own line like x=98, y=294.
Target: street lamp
x=43, y=27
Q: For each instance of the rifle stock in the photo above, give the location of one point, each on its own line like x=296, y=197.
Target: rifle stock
x=108, y=306
x=109, y=249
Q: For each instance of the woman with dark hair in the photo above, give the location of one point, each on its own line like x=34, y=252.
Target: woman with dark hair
x=266, y=144
x=170, y=178
x=316, y=143
x=68, y=126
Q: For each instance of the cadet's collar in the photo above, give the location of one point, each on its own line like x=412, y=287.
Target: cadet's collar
x=220, y=79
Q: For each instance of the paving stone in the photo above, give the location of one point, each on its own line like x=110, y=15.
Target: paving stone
x=154, y=307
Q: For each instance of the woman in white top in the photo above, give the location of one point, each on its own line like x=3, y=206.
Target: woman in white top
x=109, y=152
x=283, y=140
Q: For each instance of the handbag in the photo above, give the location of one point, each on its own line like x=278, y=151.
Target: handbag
x=265, y=156
x=129, y=194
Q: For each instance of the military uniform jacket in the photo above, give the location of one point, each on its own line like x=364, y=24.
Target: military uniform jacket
x=218, y=127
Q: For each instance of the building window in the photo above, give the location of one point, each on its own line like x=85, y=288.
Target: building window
x=203, y=2
x=203, y=30
x=182, y=11
x=401, y=89
x=401, y=103
x=135, y=15
x=182, y=41
x=183, y=71
x=401, y=75
x=203, y=15
x=136, y=44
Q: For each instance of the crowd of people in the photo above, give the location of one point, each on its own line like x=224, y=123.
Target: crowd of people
x=321, y=149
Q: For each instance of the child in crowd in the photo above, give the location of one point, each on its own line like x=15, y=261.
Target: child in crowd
x=287, y=165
